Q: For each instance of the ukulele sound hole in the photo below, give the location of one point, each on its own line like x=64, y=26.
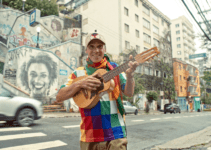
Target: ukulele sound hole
x=95, y=92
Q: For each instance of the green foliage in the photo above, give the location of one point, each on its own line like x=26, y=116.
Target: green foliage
x=207, y=77
x=168, y=82
x=152, y=95
x=45, y=6
x=1, y=67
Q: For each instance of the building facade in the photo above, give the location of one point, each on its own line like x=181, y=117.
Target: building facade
x=187, y=85
x=183, y=44
x=134, y=24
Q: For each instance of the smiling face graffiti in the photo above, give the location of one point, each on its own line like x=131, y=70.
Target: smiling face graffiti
x=38, y=75
x=38, y=79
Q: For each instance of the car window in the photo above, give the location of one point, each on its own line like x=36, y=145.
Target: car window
x=129, y=104
x=5, y=94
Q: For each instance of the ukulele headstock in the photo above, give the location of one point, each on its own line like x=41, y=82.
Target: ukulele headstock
x=147, y=55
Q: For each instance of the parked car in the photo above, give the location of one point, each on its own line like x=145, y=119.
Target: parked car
x=23, y=110
x=129, y=108
x=172, y=108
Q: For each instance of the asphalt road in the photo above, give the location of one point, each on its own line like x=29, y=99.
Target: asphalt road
x=144, y=131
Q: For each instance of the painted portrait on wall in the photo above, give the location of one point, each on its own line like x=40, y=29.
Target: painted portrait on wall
x=38, y=74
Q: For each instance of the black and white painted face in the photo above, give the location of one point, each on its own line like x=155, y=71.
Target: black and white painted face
x=38, y=79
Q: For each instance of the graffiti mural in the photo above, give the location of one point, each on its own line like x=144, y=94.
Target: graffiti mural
x=39, y=81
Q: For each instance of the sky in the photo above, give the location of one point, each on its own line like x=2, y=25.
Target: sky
x=174, y=9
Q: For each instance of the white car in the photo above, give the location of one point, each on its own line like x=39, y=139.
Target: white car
x=129, y=108
x=21, y=109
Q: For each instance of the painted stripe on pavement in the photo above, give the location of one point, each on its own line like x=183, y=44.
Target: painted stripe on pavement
x=137, y=120
x=185, y=116
x=14, y=129
x=177, y=117
x=167, y=118
x=37, y=146
x=21, y=136
x=73, y=126
x=155, y=119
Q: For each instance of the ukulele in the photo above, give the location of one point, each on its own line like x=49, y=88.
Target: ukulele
x=89, y=98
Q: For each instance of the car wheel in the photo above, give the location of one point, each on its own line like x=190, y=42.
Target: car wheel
x=25, y=117
x=136, y=112
x=164, y=112
x=171, y=112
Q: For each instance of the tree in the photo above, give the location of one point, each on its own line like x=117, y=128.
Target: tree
x=45, y=6
x=152, y=95
x=206, y=99
x=168, y=80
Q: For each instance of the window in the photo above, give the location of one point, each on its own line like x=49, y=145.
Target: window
x=126, y=28
x=178, y=39
x=137, y=49
x=157, y=73
x=178, y=32
x=178, y=45
x=177, y=25
x=126, y=11
x=156, y=42
x=148, y=71
x=145, y=49
x=163, y=22
x=137, y=18
x=155, y=29
x=136, y=3
x=164, y=75
x=180, y=67
x=146, y=24
x=137, y=33
x=180, y=77
x=179, y=53
x=155, y=17
x=127, y=45
x=146, y=10
x=180, y=88
x=147, y=38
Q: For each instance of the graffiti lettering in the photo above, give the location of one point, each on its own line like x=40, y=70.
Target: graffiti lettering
x=74, y=33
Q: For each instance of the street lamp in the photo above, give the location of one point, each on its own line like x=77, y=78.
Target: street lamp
x=23, y=5
x=38, y=31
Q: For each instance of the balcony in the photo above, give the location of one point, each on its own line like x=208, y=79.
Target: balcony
x=193, y=93
x=192, y=82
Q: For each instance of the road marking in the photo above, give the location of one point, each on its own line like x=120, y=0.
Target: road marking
x=137, y=120
x=14, y=129
x=37, y=146
x=191, y=116
x=167, y=118
x=185, y=116
x=197, y=115
x=74, y=126
x=177, y=117
x=21, y=136
x=155, y=119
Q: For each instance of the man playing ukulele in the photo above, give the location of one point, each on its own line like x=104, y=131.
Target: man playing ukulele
x=103, y=126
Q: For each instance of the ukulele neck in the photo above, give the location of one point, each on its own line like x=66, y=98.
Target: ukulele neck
x=116, y=71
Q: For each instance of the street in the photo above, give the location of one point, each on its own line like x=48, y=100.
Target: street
x=144, y=131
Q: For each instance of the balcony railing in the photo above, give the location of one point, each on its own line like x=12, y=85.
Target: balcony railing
x=193, y=93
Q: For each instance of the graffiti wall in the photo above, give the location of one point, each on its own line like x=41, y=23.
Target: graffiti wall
x=70, y=53
x=54, y=30
x=36, y=72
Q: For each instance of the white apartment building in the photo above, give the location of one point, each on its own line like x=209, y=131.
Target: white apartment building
x=125, y=24
x=182, y=36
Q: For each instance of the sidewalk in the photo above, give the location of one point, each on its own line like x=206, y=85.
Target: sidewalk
x=193, y=141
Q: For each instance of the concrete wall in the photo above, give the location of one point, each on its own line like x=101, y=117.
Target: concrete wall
x=40, y=72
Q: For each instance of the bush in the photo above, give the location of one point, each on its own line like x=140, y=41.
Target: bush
x=152, y=95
